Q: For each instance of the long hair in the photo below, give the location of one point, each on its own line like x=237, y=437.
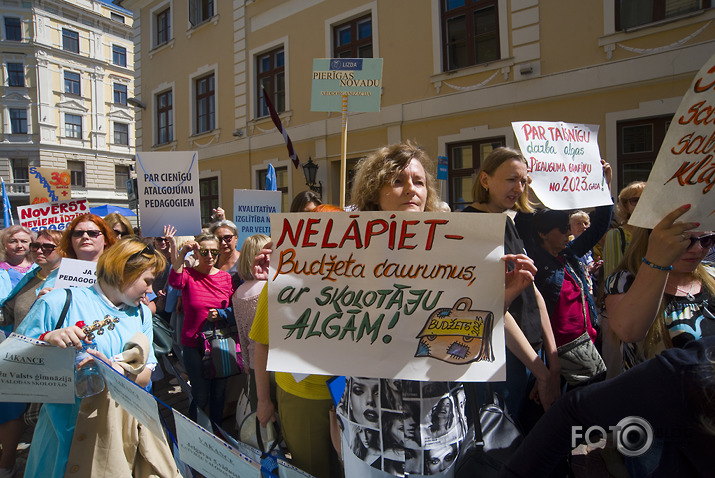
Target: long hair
x=621, y=210
x=249, y=250
x=490, y=164
x=65, y=246
x=382, y=167
x=114, y=218
x=657, y=336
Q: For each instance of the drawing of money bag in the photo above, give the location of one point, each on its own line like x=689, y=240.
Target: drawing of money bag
x=458, y=335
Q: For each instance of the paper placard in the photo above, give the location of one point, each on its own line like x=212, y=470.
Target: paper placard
x=53, y=215
x=131, y=397
x=34, y=371
x=76, y=273
x=684, y=171
x=564, y=163
x=49, y=185
x=360, y=79
x=209, y=455
x=251, y=210
x=168, y=191
x=391, y=295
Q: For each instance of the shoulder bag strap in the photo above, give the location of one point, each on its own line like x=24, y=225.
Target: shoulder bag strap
x=66, y=307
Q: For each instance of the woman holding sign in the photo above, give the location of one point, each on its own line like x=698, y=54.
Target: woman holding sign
x=86, y=238
x=66, y=441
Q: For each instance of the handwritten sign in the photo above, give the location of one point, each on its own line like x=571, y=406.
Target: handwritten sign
x=564, y=163
x=49, y=185
x=209, y=455
x=358, y=78
x=251, y=209
x=684, y=171
x=54, y=215
x=168, y=187
x=33, y=371
x=392, y=295
x=131, y=397
x=76, y=273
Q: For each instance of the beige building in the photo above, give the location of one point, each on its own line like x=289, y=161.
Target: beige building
x=456, y=74
x=67, y=70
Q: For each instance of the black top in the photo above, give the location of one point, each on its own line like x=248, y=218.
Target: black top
x=524, y=308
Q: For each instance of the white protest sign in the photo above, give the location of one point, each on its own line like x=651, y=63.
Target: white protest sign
x=684, y=171
x=209, y=455
x=564, y=163
x=168, y=191
x=131, y=397
x=51, y=215
x=391, y=295
x=251, y=208
x=33, y=371
x=76, y=273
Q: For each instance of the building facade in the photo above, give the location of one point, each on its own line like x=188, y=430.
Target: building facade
x=67, y=69
x=456, y=73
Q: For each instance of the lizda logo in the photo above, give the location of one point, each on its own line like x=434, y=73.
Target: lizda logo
x=16, y=358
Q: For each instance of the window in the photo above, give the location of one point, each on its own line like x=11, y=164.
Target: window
x=353, y=39
x=633, y=13
x=464, y=160
x=208, y=190
x=638, y=144
x=205, y=104
x=70, y=40
x=20, y=173
x=200, y=11
x=120, y=94
x=13, y=29
x=119, y=55
x=76, y=173
x=281, y=184
x=72, y=84
x=73, y=126
x=18, y=120
x=121, y=176
x=116, y=17
x=470, y=32
x=15, y=74
x=271, y=80
x=121, y=133
x=163, y=26
x=164, y=118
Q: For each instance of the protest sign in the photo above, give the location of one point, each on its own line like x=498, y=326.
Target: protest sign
x=33, y=371
x=392, y=295
x=684, y=171
x=76, y=273
x=251, y=209
x=131, y=397
x=360, y=79
x=49, y=185
x=564, y=163
x=209, y=455
x=168, y=190
x=54, y=215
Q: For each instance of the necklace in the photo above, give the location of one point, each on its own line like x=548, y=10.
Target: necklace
x=688, y=293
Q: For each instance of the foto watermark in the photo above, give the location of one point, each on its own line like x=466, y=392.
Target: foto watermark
x=633, y=435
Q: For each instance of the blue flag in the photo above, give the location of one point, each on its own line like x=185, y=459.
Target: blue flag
x=6, y=208
x=271, y=180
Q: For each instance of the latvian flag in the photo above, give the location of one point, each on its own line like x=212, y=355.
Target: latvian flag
x=277, y=121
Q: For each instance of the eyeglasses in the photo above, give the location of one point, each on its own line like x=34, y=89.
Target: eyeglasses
x=205, y=252
x=706, y=241
x=226, y=238
x=91, y=233
x=47, y=249
x=633, y=201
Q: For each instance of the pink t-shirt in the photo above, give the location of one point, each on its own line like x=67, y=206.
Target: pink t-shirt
x=567, y=320
x=199, y=293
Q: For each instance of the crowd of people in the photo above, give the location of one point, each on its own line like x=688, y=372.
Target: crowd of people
x=603, y=320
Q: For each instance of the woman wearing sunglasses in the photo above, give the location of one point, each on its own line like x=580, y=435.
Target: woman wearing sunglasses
x=204, y=290
x=227, y=234
x=86, y=238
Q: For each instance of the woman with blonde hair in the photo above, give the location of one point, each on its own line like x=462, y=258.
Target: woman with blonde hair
x=15, y=250
x=119, y=224
x=617, y=239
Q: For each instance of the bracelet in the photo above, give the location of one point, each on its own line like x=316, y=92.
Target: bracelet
x=42, y=337
x=656, y=266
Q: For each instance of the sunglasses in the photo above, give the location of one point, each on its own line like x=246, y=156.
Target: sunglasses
x=119, y=233
x=147, y=251
x=161, y=239
x=706, y=241
x=226, y=238
x=47, y=249
x=205, y=252
x=92, y=233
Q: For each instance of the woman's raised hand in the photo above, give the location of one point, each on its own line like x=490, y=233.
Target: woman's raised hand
x=519, y=278
x=669, y=238
x=261, y=262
